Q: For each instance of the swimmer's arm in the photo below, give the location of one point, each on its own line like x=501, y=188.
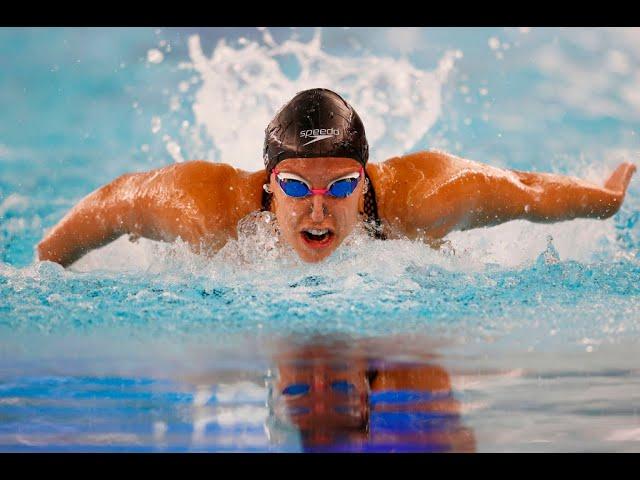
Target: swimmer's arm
x=99, y=218
x=446, y=193
x=199, y=202
x=545, y=198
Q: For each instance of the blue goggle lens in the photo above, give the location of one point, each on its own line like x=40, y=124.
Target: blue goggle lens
x=294, y=188
x=343, y=188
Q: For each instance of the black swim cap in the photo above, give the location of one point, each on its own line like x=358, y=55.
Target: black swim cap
x=315, y=123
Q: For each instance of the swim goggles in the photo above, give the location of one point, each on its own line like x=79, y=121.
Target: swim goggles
x=295, y=186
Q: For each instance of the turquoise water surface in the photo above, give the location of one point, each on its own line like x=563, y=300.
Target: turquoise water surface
x=147, y=347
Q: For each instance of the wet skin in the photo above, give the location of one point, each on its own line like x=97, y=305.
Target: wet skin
x=423, y=195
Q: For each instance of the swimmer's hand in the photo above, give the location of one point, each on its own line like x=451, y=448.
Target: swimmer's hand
x=619, y=180
x=553, y=198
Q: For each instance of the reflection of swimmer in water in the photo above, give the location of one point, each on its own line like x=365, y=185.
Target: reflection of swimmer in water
x=341, y=400
x=319, y=185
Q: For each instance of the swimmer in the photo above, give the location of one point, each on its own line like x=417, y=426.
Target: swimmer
x=319, y=186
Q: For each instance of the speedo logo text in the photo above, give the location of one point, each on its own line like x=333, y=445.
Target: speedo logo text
x=318, y=134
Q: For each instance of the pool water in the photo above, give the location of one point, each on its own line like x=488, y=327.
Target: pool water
x=520, y=337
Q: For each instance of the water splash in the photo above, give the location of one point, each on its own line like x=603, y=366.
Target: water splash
x=243, y=87
x=550, y=255
x=485, y=277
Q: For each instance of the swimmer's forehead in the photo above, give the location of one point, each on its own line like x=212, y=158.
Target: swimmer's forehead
x=320, y=166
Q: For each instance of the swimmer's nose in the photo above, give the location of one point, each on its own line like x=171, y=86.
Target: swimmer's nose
x=318, y=208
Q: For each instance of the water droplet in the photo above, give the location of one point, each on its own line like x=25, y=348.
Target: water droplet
x=156, y=124
x=154, y=56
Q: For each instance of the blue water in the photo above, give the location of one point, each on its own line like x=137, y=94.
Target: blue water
x=146, y=347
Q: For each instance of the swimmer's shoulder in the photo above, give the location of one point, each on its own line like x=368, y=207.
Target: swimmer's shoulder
x=202, y=172
x=396, y=178
x=218, y=182
x=406, y=169
x=218, y=193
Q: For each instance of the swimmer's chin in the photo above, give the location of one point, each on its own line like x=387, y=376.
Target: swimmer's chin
x=314, y=257
x=311, y=251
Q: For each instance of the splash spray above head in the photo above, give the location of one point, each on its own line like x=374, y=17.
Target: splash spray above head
x=315, y=123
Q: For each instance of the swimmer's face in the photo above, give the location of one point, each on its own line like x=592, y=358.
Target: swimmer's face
x=300, y=218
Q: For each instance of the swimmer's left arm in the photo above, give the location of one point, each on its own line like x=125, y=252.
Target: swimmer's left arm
x=435, y=193
x=545, y=198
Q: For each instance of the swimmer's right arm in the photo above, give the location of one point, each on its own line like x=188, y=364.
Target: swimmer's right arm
x=200, y=202
x=99, y=218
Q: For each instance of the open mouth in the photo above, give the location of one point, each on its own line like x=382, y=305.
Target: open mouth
x=317, y=238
